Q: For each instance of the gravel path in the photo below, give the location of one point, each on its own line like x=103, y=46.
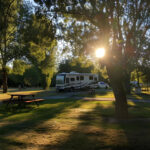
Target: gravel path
x=93, y=98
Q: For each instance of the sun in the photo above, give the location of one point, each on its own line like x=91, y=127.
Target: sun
x=100, y=52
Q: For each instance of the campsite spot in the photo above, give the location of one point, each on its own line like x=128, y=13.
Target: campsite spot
x=71, y=123
x=74, y=74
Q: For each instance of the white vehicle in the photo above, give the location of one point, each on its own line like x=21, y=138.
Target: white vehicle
x=103, y=85
x=135, y=84
x=74, y=80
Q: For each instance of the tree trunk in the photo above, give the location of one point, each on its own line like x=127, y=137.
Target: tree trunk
x=127, y=83
x=47, y=82
x=121, y=107
x=138, y=78
x=4, y=72
x=116, y=80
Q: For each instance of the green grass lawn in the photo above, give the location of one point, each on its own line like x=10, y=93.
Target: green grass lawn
x=74, y=124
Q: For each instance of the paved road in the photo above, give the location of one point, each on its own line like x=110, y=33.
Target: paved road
x=113, y=99
x=93, y=99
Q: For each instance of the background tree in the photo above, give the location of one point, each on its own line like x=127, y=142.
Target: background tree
x=77, y=64
x=19, y=67
x=8, y=28
x=32, y=77
x=40, y=45
x=16, y=77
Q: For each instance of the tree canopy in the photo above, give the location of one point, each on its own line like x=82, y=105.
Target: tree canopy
x=121, y=27
x=37, y=35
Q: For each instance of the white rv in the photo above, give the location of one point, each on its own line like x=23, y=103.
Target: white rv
x=74, y=80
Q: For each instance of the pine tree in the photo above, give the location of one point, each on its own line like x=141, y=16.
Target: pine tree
x=8, y=27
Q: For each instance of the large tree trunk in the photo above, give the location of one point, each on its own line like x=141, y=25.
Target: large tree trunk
x=4, y=72
x=116, y=80
x=127, y=83
x=121, y=107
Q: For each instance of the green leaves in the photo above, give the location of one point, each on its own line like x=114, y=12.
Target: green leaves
x=19, y=67
x=32, y=76
x=40, y=43
x=37, y=52
x=8, y=29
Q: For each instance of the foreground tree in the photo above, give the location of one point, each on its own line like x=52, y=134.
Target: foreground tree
x=117, y=24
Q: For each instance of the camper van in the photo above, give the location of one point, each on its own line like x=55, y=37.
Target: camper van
x=74, y=81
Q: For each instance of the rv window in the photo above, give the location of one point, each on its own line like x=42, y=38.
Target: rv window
x=67, y=80
x=81, y=77
x=72, y=79
x=90, y=77
x=77, y=78
x=95, y=79
x=60, y=79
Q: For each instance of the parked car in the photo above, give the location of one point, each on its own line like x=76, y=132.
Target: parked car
x=103, y=85
x=135, y=84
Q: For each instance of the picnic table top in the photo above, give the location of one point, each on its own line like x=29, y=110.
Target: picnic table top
x=22, y=94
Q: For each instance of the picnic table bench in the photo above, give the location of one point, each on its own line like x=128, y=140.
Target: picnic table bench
x=22, y=99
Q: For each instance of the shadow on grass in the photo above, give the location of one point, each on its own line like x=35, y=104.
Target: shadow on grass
x=26, y=119
x=7, y=144
x=140, y=96
x=97, y=92
x=98, y=129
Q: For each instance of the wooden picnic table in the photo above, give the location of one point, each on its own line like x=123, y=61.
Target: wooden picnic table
x=21, y=98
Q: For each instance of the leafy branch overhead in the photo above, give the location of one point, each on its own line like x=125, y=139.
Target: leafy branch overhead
x=121, y=27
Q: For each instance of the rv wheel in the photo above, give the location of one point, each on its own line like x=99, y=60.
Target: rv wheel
x=72, y=89
x=58, y=90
